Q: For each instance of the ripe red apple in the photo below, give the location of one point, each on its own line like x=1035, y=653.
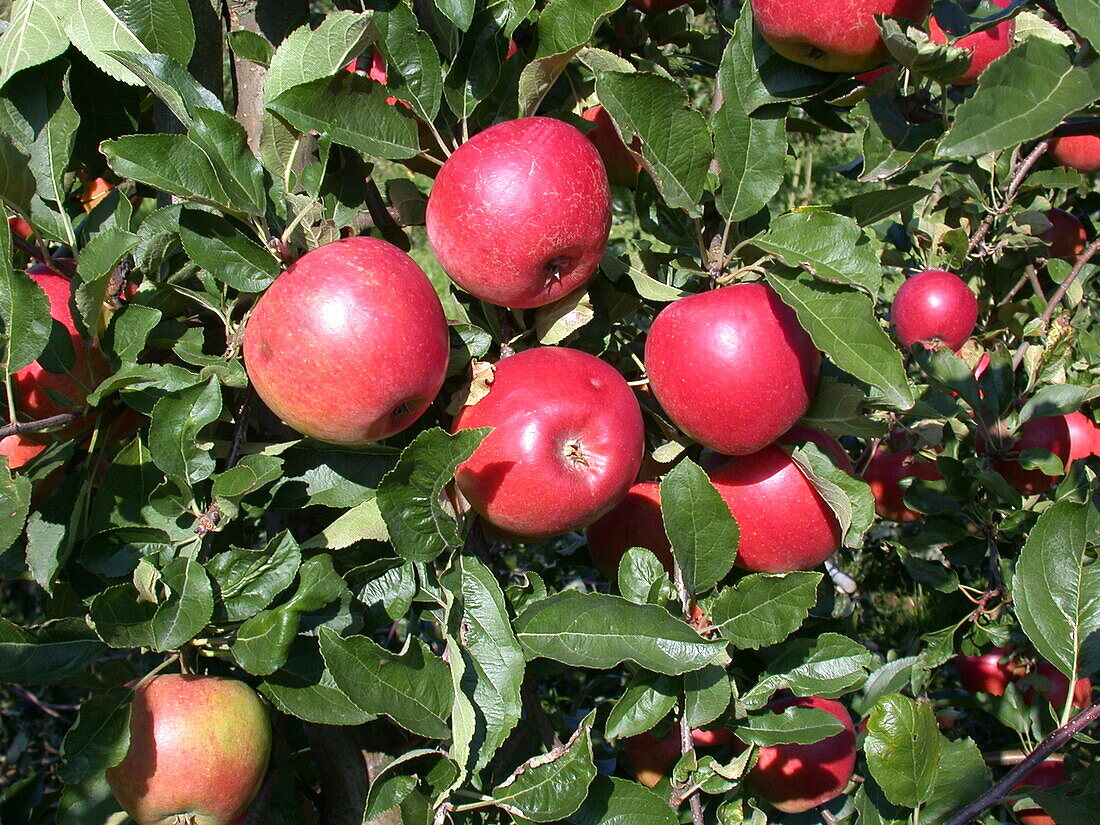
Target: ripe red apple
x=651, y=758
x=519, y=215
x=633, y=522
x=887, y=468
x=984, y=46
x=1048, y=432
x=93, y=192
x=829, y=445
x=867, y=78
x=833, y=38
x=20, y=227
x=785, y=524
x=1080, y=152
x=1066, y=236
x=795, y=778
x=33, y=383
x=199, y=747
x=1084, y=435
x=566, y=446
x=934, y=308
x=622, y=166
x=1048, y=774
x=350, y=344
x=732, y=367
x=989, y=673
x=21, y=449
x=1054, y=686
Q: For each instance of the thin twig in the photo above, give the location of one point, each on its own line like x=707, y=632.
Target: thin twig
x=1033, y=276
x=1010, y=196
x=1048, y=746
x=41, y=424
x=212, y=516
x=1058, y=295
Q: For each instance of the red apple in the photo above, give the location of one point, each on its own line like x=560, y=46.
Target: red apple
x=21, y=449
x=93, y=192
x=633, y=522
x=1049, y=432
x=566, y=445
x=33, y=383
x=1054, y=686
x=867, y=78
x=622, y=166
x=1080, y=152
x=989, y=673
x=350, y=344
x=1048, y=774
x=732, y=367
x=833, y=38
x=519, y=215
x=199, y=747
x=651, y=758
x=785, y=524
x=934, y=308
x=828, y=445
x=20, y=227
x=984, y=46
x=1084, y=436
x=1066, y=236
x=795, y=778
x=886, y=469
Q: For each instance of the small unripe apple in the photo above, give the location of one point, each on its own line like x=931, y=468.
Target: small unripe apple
x=349, y=345
x=199, y=747
x=1054, y=686
x=785, y=523
x=21, y=448
x=1048, y=432
x=519, y=215
x=934, y=308
x=796, y=778
x=984, y=46
x=622, y=166
x=989, y=673
x=1067, y=237
x=633, y=522
x=33, y=381
x=833, y=38
x=732, y=367
x=887, y=468
x=827, y=443
x=566, y=446
x=1048, y=774
x=1080, y=152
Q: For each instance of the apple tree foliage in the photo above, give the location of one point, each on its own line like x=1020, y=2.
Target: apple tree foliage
x=494, y=682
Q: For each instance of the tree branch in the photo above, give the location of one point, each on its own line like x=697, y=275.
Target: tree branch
x=36, y=426
x=1023, y=770
x=1010, y=195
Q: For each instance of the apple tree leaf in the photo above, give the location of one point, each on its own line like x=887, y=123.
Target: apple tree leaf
x=1083, y=16
x=226, y=251
x=763, y=609
x=415, y=74
x=304, y=687
x=263, y=641
x=614, y=801
x=171, y=82
x=703, y=531
x=962, y=778
x=15, y=504
x=47, y=654
x=164, y=26
x=95, y=28
x=99, y=738
x=830, y=246
x=829, y=665
x=25, y=320
x=793, y=725
x=848, y=497
x=647, y=699
x=248, y=580
x=600, y=631
x=903, y=749
x=309, y=54
x=177, y=420
x=707, y=694
x=34, y=36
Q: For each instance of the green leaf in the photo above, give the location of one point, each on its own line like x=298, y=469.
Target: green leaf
x=15, y=504
x=164, y=26
x=409, y=495
x=223, y=249
x=763, y=609
x=1056, y=590
x=246, y=476
x=414, y=71
x=351, y=110
x=1020, y=97
x=16, y=181
x=552, y=786
x=1083, y=16
x=391, y=785
x=34, y=36
x=51, y=530
x=412, y=688
x=751, y=150
x=962, y=778
x=707, y=694
x=825, y=244
x=177, y=421
x=318, y=585
x=100, y=737
x=25, y=320
x=493, y=663
x=841, y=321
x=676, y=141
x=890, y=141
x=249, y=580
x=848, y=496
x=311, y=54
x=868, y=208
x=361, y=523
x=794, y=725
x=639, y=573
x=98, y=260
x=239, y=172
x=613, y=801
x=122, y=620
x=599, y=631
x=172, y=83
x=903, y=749
x=1055, y=399
x=647, y=699
x=47, y=654
x=829, y=665
x=459, y=12
x=703, y=531
x=251, y=46
x=304, y=688
x=263, y=642
x=96, y=29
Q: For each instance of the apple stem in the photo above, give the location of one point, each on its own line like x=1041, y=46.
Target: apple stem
x=35, y=426
x=1048, y=746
